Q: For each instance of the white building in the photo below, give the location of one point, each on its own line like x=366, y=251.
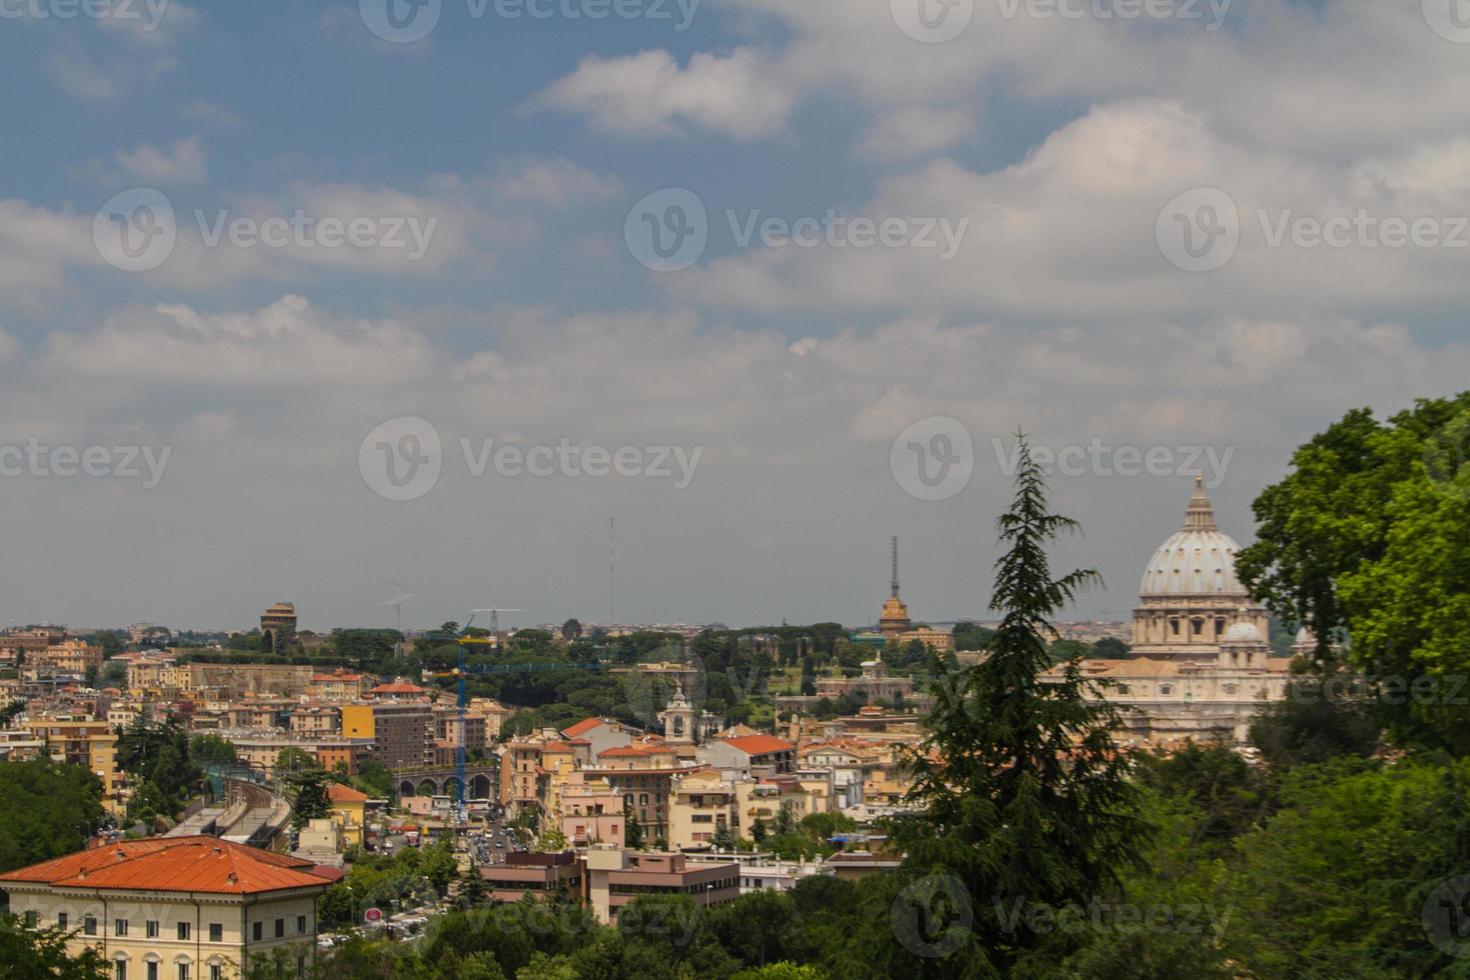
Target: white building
x=1201, y=665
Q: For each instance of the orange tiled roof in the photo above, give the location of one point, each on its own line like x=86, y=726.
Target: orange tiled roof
x=581, y=728
x=632, y=751
x=338, y=793
x=174, y=864
x=398, y=688
x=759, y=744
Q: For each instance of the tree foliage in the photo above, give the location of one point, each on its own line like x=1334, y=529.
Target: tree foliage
x=43, y=953
x=46, y=810
x=1365, y=541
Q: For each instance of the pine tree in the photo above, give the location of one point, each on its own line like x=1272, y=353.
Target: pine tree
x=1025, y=798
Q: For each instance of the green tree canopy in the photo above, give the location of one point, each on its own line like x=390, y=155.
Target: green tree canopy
x=46, y=810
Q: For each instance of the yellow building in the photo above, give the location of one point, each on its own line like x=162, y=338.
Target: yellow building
x=182, y=908
x=70, y=656
x=937, y=640
x=557, y=759
x=87, y=742
x=349, y=812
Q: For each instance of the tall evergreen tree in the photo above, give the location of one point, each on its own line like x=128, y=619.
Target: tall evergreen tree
x=1025, y=797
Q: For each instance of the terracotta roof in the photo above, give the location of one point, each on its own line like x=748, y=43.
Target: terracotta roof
x=582, y=727
x=398, y=688
x=174, y=864
x=759, y=744
x=338, y=793
x=632, y=751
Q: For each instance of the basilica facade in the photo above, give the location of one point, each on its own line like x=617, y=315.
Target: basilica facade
x=1201, y=667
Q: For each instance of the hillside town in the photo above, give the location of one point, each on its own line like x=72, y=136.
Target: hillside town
x=300, y=767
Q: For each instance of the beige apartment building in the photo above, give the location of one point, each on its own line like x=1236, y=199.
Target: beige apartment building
x=184, y=908
x=592, y=811
x=700, y=803
x=615, y=877
x=71, y=656
x=87, y=742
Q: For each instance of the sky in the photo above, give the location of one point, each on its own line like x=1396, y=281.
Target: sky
x=328, y=301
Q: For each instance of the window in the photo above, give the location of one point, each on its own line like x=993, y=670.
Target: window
x=258, y=931
x=33, y=918
x=119, y=927
x=183, y=971
x=152, y=971
x=216, y=932
x=301, y=923
x=183, y=935
x=89, y=925
x=1166, y=689
x=150, y=929
x=300, y=968
x=61, y=921
x=280, y=928
x=216, y=972
x=120, y=970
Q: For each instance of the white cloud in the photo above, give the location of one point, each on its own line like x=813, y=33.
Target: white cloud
x=119, y=55
x=1071, y=231
x=1347, y=77
x=916, y=131
x=212, y=113
x=553, y=183
x=36, y=248
x=265, y=410
x=650, y=94
x=184, y=162
x=285, y=344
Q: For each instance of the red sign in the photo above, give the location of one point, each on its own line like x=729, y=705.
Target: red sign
x=372, y=915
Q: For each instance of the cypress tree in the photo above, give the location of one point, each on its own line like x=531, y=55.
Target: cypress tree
x=1025, y=800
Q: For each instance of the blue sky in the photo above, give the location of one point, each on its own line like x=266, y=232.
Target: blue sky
x=1066, y=155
